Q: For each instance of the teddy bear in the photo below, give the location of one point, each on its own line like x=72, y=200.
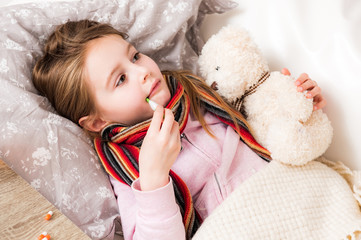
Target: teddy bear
x=281, y=118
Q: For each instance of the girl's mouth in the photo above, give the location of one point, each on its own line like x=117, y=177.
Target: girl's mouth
x=154, y=88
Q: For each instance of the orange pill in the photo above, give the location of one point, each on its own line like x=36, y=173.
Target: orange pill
x=48, y=215
x=47, y=237
x=41, y=237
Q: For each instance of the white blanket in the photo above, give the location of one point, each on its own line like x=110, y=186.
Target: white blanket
x=288, y=202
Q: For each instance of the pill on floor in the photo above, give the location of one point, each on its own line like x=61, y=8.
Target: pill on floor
x=41, y=237
x=47, y=237
x=48, y=215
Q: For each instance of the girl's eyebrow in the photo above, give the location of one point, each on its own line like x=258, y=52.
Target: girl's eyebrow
x=110, y=76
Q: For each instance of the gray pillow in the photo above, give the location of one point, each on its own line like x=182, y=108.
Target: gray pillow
x=52, y=153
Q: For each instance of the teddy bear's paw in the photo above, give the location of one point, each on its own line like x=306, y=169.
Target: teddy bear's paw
x=290, y=102
x=295, y=143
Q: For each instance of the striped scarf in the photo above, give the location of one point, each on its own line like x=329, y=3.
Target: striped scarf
x=119, y=146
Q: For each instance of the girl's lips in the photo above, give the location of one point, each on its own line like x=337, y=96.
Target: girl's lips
x=154, y=88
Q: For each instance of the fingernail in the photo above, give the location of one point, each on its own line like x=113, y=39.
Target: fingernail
x=315, y=108
x=297, y=83
x=300, y=89
x=308, y=95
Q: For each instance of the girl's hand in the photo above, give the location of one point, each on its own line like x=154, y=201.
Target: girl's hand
x=304, y=82
x=159, y=150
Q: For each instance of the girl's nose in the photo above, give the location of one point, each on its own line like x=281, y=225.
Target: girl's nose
x=146, y=77
x=142, y=73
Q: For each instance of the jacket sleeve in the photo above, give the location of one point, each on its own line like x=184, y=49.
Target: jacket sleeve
x=148, y=214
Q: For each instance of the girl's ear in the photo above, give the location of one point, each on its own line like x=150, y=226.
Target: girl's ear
x=93, y=124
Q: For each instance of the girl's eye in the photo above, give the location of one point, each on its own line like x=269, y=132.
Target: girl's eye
x=136, y=57
x=120, y=80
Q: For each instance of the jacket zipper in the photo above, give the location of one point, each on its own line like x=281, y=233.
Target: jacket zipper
x=218, y=184
x=184, y=136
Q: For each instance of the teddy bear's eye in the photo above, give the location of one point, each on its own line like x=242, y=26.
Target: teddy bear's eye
x=217, y=68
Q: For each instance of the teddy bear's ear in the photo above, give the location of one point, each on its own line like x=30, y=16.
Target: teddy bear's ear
x=232, y=31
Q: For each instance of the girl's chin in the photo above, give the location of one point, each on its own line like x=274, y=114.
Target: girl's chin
x=165, y=100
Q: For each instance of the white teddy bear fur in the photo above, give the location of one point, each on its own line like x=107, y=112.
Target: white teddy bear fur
x=281, y=118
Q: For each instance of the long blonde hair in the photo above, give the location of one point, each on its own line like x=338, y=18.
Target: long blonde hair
x=59, y=73
x=192, y=85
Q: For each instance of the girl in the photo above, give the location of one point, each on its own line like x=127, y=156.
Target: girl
x=181, y=160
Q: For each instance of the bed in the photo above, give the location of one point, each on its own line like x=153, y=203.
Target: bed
x=56, y=158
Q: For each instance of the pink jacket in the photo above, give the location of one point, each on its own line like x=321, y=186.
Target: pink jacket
x=211, y=168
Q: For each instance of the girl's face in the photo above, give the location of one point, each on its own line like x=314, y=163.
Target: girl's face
x=120, y=78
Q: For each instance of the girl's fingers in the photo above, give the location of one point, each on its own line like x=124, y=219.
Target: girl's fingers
x=157, y=119
x=305, y=83
x=168, y=121
x=320, y=102
x=301, y=79
x=175, y=135
x=170, y=131
x=285, y=71
x=175, y=129
x=314, y=92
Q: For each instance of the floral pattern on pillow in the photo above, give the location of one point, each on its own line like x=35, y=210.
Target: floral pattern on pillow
x=50, y=152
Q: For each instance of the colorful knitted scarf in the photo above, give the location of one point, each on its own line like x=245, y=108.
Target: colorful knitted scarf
x=119, y=146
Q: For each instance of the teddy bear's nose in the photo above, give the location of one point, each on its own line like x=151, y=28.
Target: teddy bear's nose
x=214, y=86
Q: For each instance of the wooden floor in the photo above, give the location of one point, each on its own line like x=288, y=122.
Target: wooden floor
x=22, y=211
